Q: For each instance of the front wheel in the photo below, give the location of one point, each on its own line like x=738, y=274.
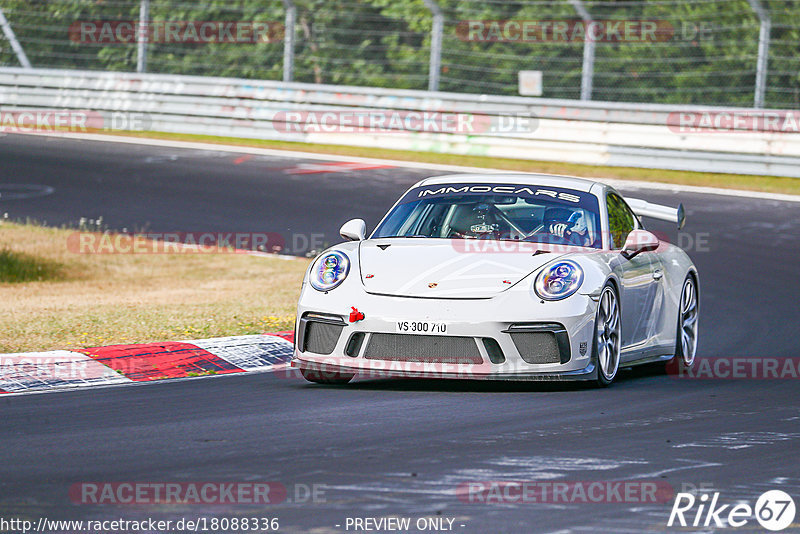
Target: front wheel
x=607, y=336
x=326, y=377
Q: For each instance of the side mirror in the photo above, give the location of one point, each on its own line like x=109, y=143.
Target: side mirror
x=354, y=230
x=639, y=241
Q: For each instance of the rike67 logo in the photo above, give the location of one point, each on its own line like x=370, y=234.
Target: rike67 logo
x=774, y=510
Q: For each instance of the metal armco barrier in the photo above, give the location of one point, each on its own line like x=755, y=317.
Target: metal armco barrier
x=588, y=132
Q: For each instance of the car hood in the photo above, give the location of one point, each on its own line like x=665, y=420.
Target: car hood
x=445, y=268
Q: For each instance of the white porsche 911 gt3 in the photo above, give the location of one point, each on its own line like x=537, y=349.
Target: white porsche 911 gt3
x=511, y=277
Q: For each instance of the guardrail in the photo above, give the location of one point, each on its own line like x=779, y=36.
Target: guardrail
x=598, y=133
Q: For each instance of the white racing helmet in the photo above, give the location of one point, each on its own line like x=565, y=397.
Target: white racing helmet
x=578, y=220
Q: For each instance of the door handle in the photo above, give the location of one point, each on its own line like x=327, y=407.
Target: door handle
x=658, y=274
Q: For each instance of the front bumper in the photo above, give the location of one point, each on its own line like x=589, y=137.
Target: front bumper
x=501, y=318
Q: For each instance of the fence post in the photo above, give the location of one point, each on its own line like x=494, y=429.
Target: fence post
x=288, y=40
x=12, y=40
x=587, y=70
x=142, y=34
x=764, y=28
x=436, y=45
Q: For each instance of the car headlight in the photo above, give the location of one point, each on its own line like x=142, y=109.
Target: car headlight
x=559, y=280
x=329, y=270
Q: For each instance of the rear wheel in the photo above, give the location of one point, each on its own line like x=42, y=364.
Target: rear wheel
x=686, y=331
x=326, y=377
x=607, y=336
x=688, y=314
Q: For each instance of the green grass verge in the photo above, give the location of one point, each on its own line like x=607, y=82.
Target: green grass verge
x=771, y=184
x=17, y=267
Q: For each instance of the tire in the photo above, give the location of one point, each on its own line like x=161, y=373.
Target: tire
x=688, y=316
x=326, y=377
x=607, y=340
x=685, y=331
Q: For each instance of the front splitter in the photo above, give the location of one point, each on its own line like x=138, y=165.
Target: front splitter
x=401, y=369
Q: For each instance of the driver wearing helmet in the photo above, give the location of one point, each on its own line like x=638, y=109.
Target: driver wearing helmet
x=474, y=221
x=574, y=230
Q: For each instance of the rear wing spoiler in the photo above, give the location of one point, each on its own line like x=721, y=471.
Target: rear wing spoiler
x=644, y=208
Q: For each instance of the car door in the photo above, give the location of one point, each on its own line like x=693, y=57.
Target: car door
x=637, y=274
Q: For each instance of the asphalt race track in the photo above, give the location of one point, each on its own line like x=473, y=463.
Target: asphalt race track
x=400, y=448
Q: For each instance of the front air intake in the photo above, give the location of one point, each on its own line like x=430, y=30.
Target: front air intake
x=321, y=338
x=537, y=347
x=319, y=333
x=540, y=343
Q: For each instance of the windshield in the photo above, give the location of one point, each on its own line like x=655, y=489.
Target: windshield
x=496, y=211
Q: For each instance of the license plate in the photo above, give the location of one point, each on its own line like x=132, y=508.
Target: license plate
x=420, y=327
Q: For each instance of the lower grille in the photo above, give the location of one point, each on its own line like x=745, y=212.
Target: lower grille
x=321, y=338
x=427, y=349
x=537, y=347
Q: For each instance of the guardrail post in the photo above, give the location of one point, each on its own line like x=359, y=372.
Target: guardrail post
x=288, y=40
x=142, y=36
x=587, y=70
x=436, y=45
x=12, y=40
x=764, y=28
